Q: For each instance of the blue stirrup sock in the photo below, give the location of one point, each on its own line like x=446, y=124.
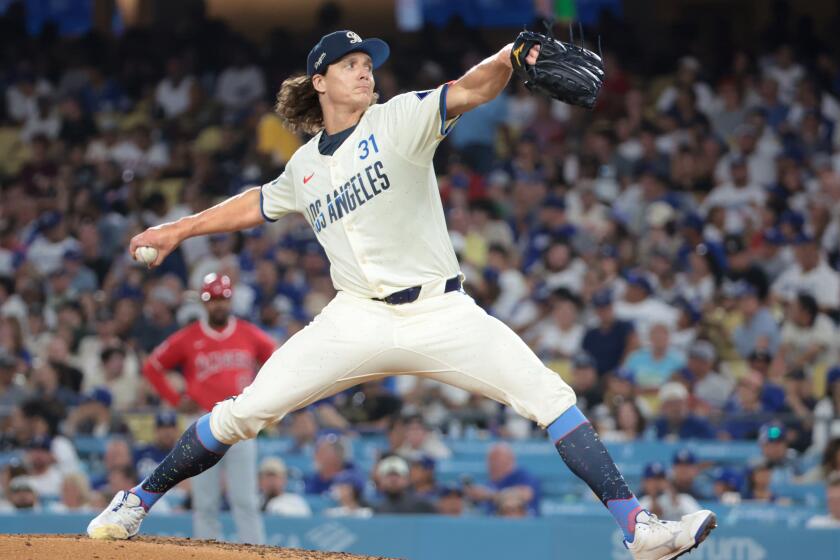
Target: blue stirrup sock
x=582, y=451
x=196, y=451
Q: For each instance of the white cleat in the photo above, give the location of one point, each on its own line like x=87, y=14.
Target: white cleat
x=120, y=520
x=666, y=540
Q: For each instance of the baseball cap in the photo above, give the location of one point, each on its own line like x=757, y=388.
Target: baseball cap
x=744, y=289
x=216, y=286
x=654, y=470
x=773, y=236
x=684, y=457
x=392, y=465
x=602, y=298
x=100, y=395
x=608, y=252
x=554, y=201
x=730, y=477
x=772, y=432
x=792, y=218
x=49, y=220
x=703, y=350
x=39, y=442
x=334, y=45
x=72, y=254
x=635, y=279
x=20, y=484
x=348, y=477
x=672, y=391
x=166, y=418
x=761, y=355
x=693, y=221
x=450, y=490
x=272, y=465
x=626, y=374
x=426, y=462
x=583, y=360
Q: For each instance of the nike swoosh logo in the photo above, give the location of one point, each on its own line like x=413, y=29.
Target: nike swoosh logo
x=306, y=179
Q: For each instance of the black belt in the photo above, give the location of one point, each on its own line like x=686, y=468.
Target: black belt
x=411, y=294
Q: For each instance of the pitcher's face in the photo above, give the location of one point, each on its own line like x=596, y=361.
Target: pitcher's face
x=348, y=82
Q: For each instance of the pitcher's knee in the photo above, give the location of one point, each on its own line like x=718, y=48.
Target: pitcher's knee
x=549, y=400
x=232, y=422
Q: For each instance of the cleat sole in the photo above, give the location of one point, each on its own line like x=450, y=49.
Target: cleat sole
x=108, y=533
x=702, y=533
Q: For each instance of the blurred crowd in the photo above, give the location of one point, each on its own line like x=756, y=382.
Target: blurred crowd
x=673, y=254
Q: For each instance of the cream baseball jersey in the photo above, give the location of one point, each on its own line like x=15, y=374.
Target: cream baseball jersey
x=374, y=203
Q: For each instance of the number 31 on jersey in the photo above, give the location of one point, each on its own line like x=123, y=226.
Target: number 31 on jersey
x=368, y=145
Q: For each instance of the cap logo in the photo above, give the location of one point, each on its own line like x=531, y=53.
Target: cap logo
x=320, y=60
x=354, y=38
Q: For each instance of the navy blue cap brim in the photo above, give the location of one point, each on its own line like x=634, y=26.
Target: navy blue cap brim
x=377, y=49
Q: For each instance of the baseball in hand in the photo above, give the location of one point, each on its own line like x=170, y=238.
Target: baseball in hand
x=146, y=255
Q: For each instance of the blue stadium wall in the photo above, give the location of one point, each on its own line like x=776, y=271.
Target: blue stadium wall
x=435, y=538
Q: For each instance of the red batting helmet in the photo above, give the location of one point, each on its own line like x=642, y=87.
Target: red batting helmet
x=215, y=287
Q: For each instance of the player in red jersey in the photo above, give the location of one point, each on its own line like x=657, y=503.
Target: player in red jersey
x=218, y=357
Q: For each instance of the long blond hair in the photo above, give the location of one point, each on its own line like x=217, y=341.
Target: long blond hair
x=298, y=105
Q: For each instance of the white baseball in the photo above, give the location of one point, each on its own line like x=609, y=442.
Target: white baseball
x=146, y=255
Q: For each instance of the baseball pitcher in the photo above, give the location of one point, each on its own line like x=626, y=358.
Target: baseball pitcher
x=366, y=184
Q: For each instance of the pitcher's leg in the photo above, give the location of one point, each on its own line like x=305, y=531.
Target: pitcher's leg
x=480, y=354
x=241, y=478
x=485, y=356
x=311, y=364
x=196, y=451
x=335, y=348
x=206, y=492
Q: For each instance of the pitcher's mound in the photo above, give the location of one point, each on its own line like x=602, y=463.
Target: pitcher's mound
x=77, y=547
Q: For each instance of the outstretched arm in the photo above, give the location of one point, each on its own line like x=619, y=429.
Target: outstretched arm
x=238, y=212
x=483, y=82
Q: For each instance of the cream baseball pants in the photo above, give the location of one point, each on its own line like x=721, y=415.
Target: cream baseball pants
x=445, y=337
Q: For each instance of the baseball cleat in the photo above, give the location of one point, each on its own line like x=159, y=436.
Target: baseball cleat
x=666, y=540
x=120, y=520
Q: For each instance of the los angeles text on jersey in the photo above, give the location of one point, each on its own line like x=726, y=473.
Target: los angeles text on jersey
x=353, y=194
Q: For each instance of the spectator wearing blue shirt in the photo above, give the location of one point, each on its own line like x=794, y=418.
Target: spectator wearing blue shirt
x=685, y=475
x=148, y=457
x=504, y=475
x=776, y=453
x=475, y=135
x=329, y=461
x=553, y=226
x=758, y=484
x=752, y=405
x=421, y=475
x=656, y=363
x=676, y=421
x=759, y=329
x=612, y=339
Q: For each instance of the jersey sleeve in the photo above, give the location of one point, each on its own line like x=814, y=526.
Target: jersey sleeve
x=416, y=122
x=277, y=198
x=264, y=344
x=168, y=354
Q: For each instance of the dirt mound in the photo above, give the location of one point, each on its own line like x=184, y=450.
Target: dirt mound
x=78, y=547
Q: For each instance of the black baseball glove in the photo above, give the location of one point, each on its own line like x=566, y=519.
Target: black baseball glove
x=563, y=70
